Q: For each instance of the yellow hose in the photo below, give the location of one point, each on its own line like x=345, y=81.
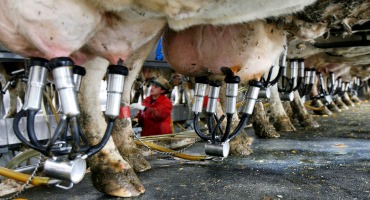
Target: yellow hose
x=37, y=180
x=46, y=95
x=307, y=105
x=179, y=155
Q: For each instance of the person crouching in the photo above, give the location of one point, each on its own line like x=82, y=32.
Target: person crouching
x=155, y=112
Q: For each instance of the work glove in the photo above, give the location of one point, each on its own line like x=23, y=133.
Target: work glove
x=137, y=106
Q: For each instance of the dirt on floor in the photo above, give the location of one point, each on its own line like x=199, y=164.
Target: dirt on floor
x=329, y=162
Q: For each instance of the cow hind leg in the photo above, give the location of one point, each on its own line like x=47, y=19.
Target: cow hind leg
x=279, y=117
x=333, y=107
x=111, y=174
x=122, y=133
x=323, y=110
x=261, y=125
x=338, y=101
x=304, y=118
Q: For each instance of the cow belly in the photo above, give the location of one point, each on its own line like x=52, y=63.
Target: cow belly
x=203, y=50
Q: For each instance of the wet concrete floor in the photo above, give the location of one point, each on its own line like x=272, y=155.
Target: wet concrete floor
x=330, y=162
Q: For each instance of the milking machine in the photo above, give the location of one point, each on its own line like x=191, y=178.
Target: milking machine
x=303, y=81
x=267, y=83
x=355, y=86
x=285, y=83
x=324, y=93
x=66, y=159
x=218, y=139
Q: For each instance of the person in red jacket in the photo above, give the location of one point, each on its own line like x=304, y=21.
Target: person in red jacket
x=155, y=111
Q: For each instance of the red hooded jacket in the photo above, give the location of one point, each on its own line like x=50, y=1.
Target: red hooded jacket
x=156, y=119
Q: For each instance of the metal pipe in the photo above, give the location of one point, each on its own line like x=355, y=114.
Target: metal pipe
x=115, y=85
x=232, y=82
x=301, y=68
x=313, y=77
x=78, y=73
x=213, y=94
x=62, y=71
x=36, y=82
x=200, y=92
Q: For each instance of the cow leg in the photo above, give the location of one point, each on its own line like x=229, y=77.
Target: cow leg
x=111, y=174
x=261, y=125
x=338, y=101
x=122, y=133
x=355, y=99
x=288, y=110
x=318, y=104
x=279, y=118
x=333, y=107
x=304, y=118
x=347, y=100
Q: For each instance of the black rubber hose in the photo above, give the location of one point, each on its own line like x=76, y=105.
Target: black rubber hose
x=82, y=135
x=19, y=135
x=75, y=132
x=240, y=126
x=63, y=137
x=218, y=126
x=229, y=118
x=197, y=130
x=308, y=89
x=219, y=121
x=31, y=128
x=273, y=82
x=299, y=82
x=283, y=85
x=58, y=131
x=94, y=149
x=210, y=126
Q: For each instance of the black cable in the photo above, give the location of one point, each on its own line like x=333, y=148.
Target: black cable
x=273, y=82
x=218, y=126
x=228, y=127
x=31, y=128
x=197, y=130
x=19, y=135
x=94, y=149
x=58, y=131
x=82, y=135
x=210, y=125
x=240, y=126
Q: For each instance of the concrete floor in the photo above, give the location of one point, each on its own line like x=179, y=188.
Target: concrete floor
x=330, y=162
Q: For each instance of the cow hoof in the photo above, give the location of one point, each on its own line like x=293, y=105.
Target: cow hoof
x=309, y=123
x=334, y=108
x=137, y=161
x=322, y=110
x=120, y=184
x=341, y=105
x=241, y=145
x=113, y=175
x=268, y=133
x=355, y=99
x=284, y=124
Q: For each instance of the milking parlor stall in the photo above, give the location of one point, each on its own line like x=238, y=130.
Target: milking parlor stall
x=263, y=99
